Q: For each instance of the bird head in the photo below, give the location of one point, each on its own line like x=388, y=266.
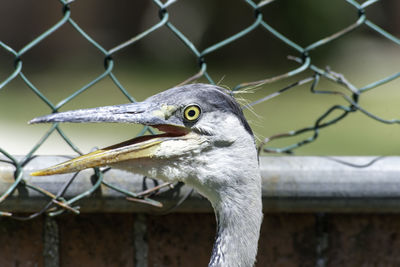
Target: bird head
x=204, y=133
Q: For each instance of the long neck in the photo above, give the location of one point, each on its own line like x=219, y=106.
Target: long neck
x=239, y=219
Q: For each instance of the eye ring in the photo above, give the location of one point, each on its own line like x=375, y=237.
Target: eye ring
x=191, y=113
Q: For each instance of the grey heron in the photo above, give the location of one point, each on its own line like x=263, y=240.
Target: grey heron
x=207, y=144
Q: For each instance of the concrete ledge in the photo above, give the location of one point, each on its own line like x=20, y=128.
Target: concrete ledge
x=290, y=184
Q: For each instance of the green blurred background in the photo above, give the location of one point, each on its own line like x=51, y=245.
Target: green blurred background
x=65, y=61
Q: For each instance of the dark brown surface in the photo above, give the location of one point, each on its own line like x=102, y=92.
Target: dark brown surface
x=180, y=239
x=287, y=240
x=364, y=240
x=96, y=240
x=186, y=240
x=21, y=243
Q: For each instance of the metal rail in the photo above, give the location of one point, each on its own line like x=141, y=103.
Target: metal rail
x=290, y=184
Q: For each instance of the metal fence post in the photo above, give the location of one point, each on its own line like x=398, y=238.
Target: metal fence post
x=51, y=242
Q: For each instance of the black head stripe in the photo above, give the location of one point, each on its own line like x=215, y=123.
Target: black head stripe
x=210, y=97
x=220, y=99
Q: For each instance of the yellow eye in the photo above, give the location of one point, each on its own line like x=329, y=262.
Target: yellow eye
x=192, y=113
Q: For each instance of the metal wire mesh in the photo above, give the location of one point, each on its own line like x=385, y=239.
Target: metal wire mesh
x=301, y=56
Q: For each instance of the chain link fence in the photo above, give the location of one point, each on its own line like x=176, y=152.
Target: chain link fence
x=301, y=55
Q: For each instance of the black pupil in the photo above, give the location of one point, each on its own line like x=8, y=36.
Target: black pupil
x=191, y=113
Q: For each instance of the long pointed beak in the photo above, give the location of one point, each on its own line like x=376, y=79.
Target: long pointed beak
x=140, y=147
x=146, y=113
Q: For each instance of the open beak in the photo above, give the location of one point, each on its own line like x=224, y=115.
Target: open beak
x=146, y=113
